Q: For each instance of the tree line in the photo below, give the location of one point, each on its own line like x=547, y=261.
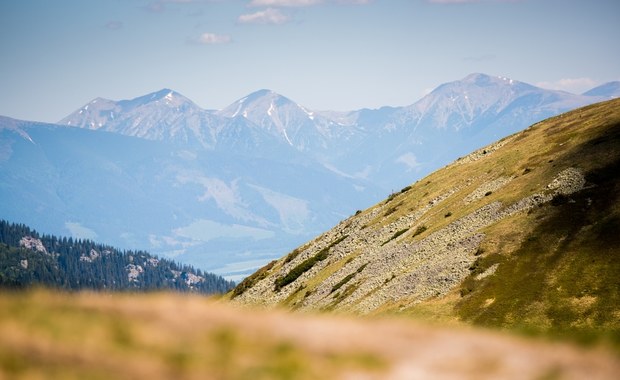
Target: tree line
x=30, y=259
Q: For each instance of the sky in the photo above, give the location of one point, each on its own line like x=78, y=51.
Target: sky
x=324, y=54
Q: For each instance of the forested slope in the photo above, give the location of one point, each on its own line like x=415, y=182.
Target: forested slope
x=28, y=258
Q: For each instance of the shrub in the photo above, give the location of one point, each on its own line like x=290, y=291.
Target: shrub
x=251, y=280
x=291, y=256
x=300, y=269
x=559, y=199
x=337, y=241
x=389, y=279
x=418, y=231
x=389, y=211
x=476, y=267
x=305, y=265
x=347, y=278
x=397, y=234
x=448, y=214
x=392, y=209
x=342, y=282
x=344, y=294
x=361, y=268
x=467, y=286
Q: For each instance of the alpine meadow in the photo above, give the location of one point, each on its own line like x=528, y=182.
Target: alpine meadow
x=519, y=236
x=310, y=190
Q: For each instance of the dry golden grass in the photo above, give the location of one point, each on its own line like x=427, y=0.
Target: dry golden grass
x=158, y=336
x=48, y=335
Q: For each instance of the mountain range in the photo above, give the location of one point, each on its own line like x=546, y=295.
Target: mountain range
x=228, y=190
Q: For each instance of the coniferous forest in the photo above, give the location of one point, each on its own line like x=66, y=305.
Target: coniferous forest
x=30, y=259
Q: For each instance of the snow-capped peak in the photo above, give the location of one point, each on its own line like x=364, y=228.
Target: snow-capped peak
x=257, y=105
x=283, y=118
x=164, y=96
x=460, y=103
x=153, y=116
x=166, y=114
x=484, y=80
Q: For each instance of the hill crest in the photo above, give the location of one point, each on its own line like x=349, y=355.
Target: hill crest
x=489, y=234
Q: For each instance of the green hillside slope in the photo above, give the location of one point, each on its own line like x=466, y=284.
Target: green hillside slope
x=522, y=234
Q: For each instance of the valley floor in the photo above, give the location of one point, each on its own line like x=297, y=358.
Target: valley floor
x=161, y=336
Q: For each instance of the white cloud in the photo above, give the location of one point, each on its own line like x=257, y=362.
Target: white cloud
x=574, y=85
x=452, y=1
x=470, y=1
x=114, y=25
x=79, y=231
x=354, y=2
x=303, y=3
x=408, y=159
x=268, y=16
x=284, y=3
x=155, y=7
x=213, y=39
x=206, y=230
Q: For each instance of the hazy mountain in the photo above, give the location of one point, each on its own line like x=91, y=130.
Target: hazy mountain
x=162, y=115
x=307, y=131
x=452, y=120
x=520, y=234
x=377, y=145
x=478, y=98
x=204, y=207
x=607, y=90
x=248, y=182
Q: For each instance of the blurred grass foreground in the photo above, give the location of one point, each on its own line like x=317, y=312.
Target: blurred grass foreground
x=47, y=335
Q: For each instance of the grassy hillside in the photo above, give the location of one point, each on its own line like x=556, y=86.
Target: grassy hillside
x=164, y=336
x=520, y=235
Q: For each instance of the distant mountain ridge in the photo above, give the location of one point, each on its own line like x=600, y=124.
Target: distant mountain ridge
x=307, y=131
x=609, y=90
x=162, y=115
x=478, y=100
x=200, y=206
x=228, y=190
x=479, y=97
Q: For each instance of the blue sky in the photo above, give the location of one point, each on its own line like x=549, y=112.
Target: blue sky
x=324, y=54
